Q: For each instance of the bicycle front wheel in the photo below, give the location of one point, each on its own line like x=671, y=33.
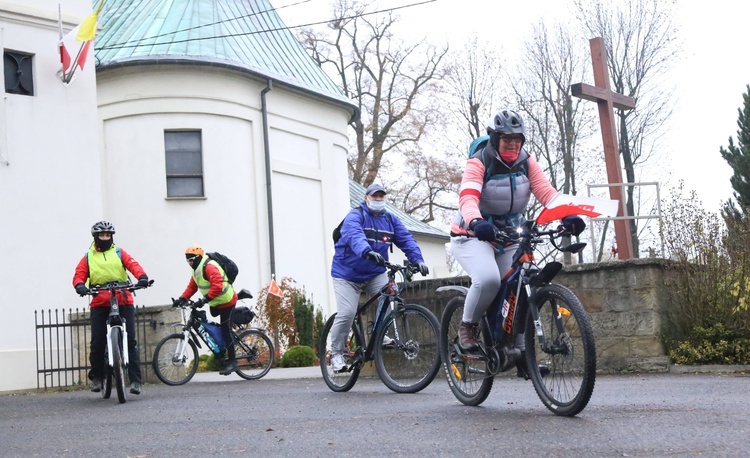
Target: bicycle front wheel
x=118, y=364
x=411, y=359
x=254, y=353
x=566, y=347
x=106, y=378
x=345, y=379
x=175, y=360
x=469, y=379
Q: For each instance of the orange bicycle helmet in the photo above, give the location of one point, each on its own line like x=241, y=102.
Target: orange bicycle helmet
x=194, y=250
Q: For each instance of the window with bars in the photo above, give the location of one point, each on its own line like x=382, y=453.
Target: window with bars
x=19, y=73
x=184, y=158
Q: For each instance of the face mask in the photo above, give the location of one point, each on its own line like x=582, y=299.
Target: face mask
x=195, y=262
x=103, y=245
x=377, y=205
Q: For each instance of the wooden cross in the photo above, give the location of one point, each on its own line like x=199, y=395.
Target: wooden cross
x=607, y=100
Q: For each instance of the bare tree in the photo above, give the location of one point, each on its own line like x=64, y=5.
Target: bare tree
x=472, y=82
x=639, y=37
x=430, y=193
x=557, y=123
x=384, y=77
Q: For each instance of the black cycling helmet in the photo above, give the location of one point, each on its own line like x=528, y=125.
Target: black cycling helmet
x=102, y=226
x=506, y=122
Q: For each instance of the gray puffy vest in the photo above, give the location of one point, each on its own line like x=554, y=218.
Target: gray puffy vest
x=506, y=190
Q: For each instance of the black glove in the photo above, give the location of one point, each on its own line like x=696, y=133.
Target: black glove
x=179, y=302
x=483, y=230
x=375, y=257
x=81, y=289
x=573, y=224
x=423, y=269
x=200, y=302
x=142, y=281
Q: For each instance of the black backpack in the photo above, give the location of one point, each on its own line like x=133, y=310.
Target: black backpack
x=337, y=231
x=230, y=267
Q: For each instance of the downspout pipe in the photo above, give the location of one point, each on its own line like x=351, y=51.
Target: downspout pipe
x=269, y=196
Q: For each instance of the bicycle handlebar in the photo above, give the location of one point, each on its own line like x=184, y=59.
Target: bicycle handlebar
x=529, y=233
x=116, y=286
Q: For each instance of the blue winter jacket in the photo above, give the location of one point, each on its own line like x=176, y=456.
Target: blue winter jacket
x=363, y=232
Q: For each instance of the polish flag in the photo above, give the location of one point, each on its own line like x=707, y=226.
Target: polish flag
x=563, y=205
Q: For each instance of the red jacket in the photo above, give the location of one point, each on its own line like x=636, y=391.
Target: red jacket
x=102, y=299
x=217, y=285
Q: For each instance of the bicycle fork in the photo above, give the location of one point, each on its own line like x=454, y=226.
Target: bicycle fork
x=559, y=313
x=124, y=337
x=179, y=352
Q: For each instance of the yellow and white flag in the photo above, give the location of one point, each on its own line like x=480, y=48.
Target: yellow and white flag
x=79, y=42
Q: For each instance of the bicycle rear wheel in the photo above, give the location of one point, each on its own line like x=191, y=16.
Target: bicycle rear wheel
x=118, y=371
x=254, y=353
x=568, y=351
x=175, y=360
x=343, y=380
x=411, y=362
x=470, y=380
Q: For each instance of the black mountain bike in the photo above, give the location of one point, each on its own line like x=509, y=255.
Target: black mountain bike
x=408, y=362
x=176, y=356
x=116, y=352
x=557, y=331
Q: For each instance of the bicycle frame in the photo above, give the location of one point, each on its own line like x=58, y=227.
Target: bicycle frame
x=193, y=329
x=388, y=299
x=506, y=316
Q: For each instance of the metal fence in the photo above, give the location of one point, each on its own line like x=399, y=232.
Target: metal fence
x=62, y=345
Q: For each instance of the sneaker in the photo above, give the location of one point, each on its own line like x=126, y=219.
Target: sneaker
x=522, y=372
x=468, y=334
x=229, y=368
x=135, y=387
x=96, y=385
x=337, y=363
x=388, y=342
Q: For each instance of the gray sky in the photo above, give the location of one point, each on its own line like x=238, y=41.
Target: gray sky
x=709, y=79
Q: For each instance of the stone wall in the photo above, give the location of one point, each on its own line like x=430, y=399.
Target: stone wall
x=161, y=321
x=625, y=300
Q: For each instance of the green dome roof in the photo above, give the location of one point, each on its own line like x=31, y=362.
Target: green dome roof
x=246, y=35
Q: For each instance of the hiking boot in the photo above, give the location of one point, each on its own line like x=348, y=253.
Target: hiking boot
x=523, y=372
x=468, y=336
x=337, y=363
x=229, y=368
x=96, y=385
x=388, y=342
x=135, y=387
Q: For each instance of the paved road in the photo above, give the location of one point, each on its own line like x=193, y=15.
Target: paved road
x=635, y=415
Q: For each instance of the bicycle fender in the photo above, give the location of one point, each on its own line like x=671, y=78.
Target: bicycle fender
x=461, y=289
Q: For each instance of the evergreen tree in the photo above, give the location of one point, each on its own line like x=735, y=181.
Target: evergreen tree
x=738, y=157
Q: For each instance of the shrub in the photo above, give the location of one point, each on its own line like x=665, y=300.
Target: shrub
x=709, y=318
x=712, y=345
x=208, y=363
x=299, y=356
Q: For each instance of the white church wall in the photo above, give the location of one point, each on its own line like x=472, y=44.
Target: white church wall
x=49, y=162
x=308, y=157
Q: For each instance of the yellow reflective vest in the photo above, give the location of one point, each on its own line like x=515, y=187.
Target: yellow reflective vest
x=227, y=292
